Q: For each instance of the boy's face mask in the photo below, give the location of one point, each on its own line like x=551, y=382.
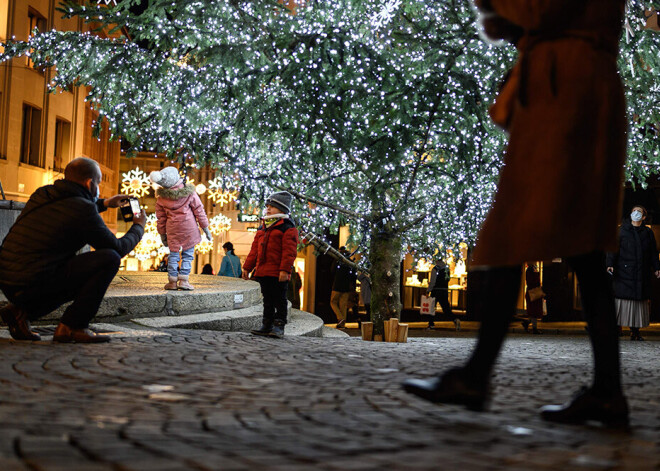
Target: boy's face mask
x=636, y=216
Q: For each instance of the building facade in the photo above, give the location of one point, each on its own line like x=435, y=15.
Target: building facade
x=41, y=132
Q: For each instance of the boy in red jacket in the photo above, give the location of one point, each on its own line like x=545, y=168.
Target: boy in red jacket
x=271, y=257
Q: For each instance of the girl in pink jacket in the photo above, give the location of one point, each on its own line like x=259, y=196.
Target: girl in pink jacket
x=179, y=210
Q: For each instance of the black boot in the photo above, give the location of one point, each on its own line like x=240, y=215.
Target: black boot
x=265, y=329
x=451, y=388
x=610, y=410
x=277, y=330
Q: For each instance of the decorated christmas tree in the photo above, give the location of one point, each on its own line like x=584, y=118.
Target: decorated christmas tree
x=372, y=113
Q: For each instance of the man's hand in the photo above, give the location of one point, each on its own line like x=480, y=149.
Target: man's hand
x=610, y=270
x=246, y=274
x=115, y=201
x=140, y=218
x=163, y=239
x=284, y=276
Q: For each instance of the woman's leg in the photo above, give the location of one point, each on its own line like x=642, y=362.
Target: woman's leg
x=500, y=294
x=600, y=315
x=468, y=386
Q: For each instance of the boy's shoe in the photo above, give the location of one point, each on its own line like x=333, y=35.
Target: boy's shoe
x=277, y=331
x=341, y=324
x=171, y=283
x=264, y=330
x=183, y=283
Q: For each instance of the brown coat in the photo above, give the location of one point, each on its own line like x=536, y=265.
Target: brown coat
x=560, y=189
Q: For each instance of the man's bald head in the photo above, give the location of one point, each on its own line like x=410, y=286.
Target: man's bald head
x=81, y=169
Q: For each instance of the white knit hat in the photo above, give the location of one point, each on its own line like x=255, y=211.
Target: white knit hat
x=167, y=177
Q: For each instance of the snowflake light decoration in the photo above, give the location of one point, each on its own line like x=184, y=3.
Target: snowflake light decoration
x=218, y=194
x=384, y=16
x=219, y=223
x=150, y=241
x=204, y=246
x=135, y=183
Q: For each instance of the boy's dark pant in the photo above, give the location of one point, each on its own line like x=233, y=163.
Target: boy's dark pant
x=275, y=305
x=84, y=279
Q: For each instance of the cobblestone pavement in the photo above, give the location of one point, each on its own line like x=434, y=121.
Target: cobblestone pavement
x=200, y=400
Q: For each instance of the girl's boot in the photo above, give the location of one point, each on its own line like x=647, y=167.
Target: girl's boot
x=171, y=282
x=183, y=283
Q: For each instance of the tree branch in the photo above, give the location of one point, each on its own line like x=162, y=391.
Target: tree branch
x=327, y=249
x=300, y=196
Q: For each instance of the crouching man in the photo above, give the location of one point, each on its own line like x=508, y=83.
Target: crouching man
x=39, y=266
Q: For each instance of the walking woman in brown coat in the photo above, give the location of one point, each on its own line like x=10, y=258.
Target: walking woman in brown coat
x=559, y=192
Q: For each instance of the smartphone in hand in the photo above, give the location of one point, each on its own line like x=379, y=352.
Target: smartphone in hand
x=129, y=208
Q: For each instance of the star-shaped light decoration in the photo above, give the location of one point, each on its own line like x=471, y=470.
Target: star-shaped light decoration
x=135, y=183
x=219, y=224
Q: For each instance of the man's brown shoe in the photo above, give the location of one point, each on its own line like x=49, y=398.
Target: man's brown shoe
x=18, y=323
x=66, y=334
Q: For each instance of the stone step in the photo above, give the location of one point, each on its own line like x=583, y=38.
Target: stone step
x=331, y=332
x=217, y=303
x=141, y=294
x=300, y=323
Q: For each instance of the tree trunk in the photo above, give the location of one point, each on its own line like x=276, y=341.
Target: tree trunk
x=385, y=257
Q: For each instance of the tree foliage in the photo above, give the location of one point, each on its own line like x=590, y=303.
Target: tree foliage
x=374, y=109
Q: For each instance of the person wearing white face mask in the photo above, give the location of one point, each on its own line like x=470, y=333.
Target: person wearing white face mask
x=632, y=267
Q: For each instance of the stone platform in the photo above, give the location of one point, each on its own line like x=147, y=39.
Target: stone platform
x=217, y=303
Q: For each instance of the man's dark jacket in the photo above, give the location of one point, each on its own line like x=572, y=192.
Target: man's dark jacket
x=56, y=222
x=343, y=278
x=634, y=263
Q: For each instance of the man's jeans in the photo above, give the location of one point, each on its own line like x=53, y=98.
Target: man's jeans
x=84, y=279
x=187, y=257
x=339, y=303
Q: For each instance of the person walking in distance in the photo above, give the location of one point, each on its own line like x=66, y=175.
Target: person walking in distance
x=343, y=284
x=564, y=108
x=271, y=256
x=534, y=306
x=632, y=267
x=439, y=289
x=40, y=264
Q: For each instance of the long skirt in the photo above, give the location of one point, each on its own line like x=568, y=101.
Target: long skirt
x=631, y=313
